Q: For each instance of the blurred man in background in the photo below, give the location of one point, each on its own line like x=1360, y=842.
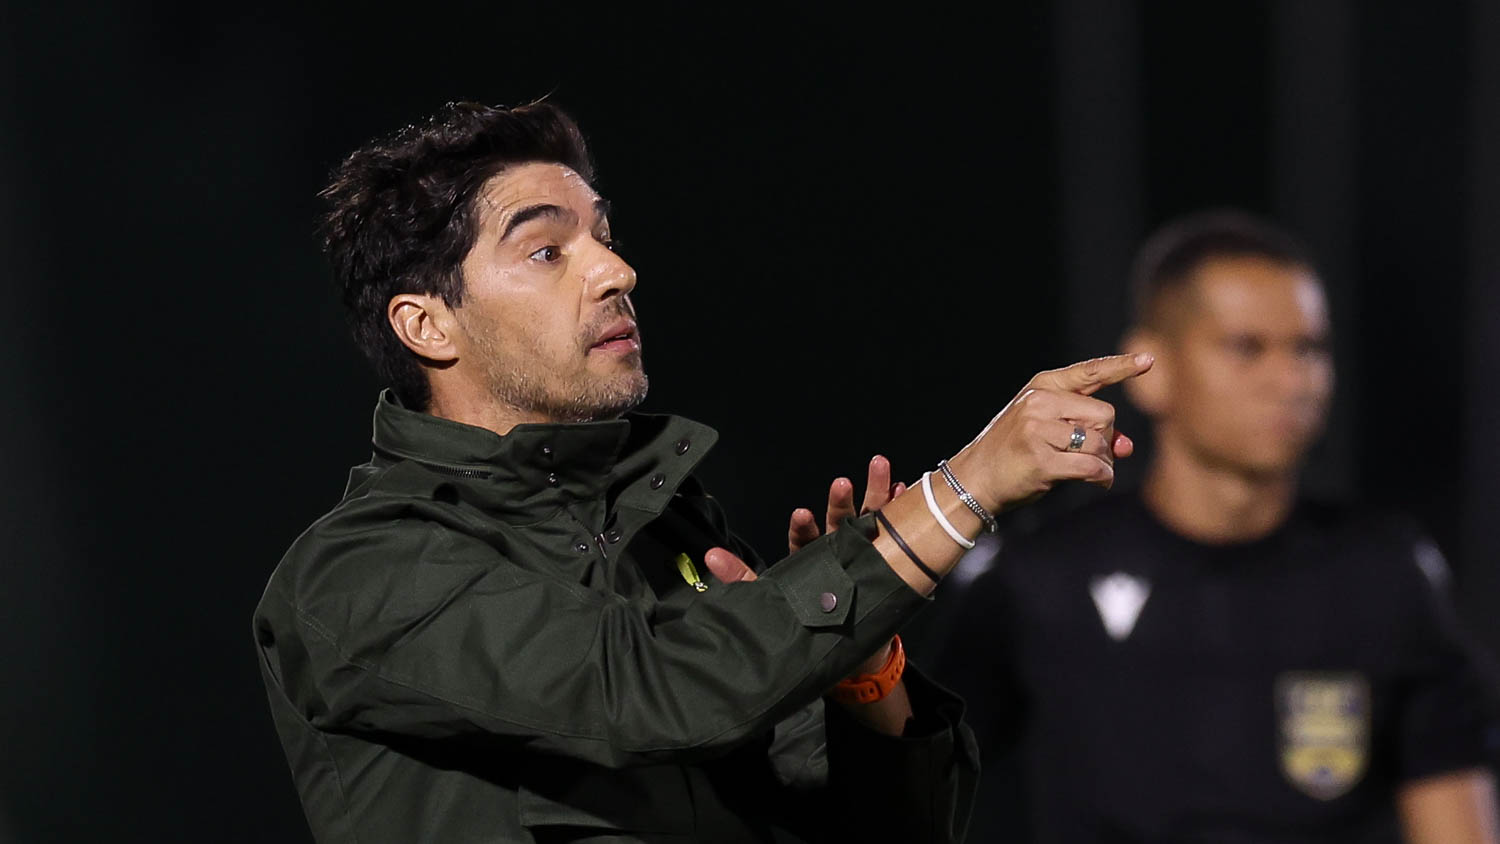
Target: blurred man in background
x=1213, y=659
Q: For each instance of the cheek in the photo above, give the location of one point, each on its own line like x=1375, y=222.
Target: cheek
x=518, y=333
x=1211, y=388
x=1323, y=382
x=541, y=325
x=1221, y=411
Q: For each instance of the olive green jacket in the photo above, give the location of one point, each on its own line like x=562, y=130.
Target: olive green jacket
x=494, y=639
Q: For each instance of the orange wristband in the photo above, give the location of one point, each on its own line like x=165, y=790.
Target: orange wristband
x=869, y=688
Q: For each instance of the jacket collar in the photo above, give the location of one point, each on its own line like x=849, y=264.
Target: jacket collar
x=554, y=463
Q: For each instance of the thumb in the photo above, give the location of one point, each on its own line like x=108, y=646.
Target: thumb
x=727, y=566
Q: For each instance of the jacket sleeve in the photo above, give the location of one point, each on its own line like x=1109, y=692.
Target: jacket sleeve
x=456, y=642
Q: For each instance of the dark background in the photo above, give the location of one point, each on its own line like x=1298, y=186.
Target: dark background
x=853, y=235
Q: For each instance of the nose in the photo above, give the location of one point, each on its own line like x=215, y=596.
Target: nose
x=610, y=275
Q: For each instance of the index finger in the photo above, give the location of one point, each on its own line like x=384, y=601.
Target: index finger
x=1087, y=377
x=878, y=486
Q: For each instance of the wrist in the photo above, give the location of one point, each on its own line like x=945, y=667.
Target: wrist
x=971, y=471
x=876, y=662
x=873, y=686
x=968, y=499
x=958, y=514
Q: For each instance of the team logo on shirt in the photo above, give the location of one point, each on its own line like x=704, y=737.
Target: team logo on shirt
x=1119, y=599
x=1325, y=730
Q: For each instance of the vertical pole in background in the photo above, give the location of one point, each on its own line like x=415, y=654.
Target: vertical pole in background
x=1313, y=137
x=1478, y=567
x=35, y=636
x=11, y=649
x=1099, y=113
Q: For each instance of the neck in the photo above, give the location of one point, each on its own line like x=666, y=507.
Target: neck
x=1214, y=504
x=472, y=407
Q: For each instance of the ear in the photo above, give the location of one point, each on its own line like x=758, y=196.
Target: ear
x=1149, y=392
x=424, y=324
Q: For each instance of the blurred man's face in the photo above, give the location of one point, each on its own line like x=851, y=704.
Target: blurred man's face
x=546, y=314
x=1250, y=373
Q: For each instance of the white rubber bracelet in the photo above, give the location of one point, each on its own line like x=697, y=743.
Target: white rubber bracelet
x=932, y=507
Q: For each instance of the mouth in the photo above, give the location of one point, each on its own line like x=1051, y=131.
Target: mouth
x=619, y=337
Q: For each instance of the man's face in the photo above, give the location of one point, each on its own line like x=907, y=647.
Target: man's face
x=546, y=314
x=1250, y=373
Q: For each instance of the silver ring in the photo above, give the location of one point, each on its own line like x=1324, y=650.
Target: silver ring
x=1075, y=443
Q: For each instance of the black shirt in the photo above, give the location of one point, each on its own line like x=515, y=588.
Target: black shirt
x=1128, y=684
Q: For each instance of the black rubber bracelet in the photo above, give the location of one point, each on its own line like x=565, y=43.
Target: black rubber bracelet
x=901, y=543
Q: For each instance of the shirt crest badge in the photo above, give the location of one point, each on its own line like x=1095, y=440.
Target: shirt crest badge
x=1324, y=726
x=1119, y=599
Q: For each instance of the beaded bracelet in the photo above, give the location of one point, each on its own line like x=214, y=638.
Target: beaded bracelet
x=969, y=501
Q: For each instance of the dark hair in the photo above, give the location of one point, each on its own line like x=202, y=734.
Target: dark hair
x=1180, y=248
x=402, y=214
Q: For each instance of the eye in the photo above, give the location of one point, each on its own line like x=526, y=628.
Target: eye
x=547, y=254
x=612, y=244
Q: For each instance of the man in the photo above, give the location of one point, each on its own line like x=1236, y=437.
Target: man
x=506, y=630
x=1211, y=659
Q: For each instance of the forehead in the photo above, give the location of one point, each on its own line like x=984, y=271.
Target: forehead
x=1258, y=294
x=536, y=183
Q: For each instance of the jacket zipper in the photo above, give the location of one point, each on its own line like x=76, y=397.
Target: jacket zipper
x=460, y=473
x=436, y=467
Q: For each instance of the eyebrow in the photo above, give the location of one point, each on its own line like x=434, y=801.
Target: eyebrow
x=556, y=212
x=536, y=212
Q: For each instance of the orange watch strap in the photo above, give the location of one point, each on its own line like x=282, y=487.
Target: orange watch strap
x=869, y=688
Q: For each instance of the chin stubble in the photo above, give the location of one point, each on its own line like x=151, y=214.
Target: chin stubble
x=593, y=400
